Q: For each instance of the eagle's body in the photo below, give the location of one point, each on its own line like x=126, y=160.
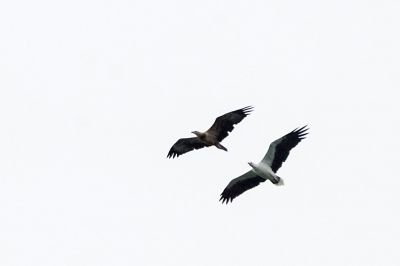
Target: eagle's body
x=277, y=153
x=213, y=136
x=209, y=139
x=264, y=170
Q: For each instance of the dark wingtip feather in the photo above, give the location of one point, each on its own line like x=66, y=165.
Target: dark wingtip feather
x=304, y=128
x=225, y=199
x=301, y=131
x=172, y=154
x=247, y=110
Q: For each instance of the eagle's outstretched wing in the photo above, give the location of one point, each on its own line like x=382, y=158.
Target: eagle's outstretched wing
x=239, y=185
x=185, y=145
x=279, y=150
x=225, y=123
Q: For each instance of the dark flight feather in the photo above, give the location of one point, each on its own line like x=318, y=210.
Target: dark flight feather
x=239, y=185
x=225, y=123
x=279, y=149
x=185, y=145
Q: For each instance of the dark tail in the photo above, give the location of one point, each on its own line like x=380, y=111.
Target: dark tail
x=219, y=146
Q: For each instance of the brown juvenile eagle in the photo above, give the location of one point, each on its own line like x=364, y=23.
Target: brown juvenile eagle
x=213, y=136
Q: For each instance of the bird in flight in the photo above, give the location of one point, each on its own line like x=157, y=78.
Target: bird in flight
x=213, y=136
x=277, y=153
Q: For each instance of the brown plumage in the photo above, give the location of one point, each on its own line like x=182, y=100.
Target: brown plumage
x=213, y=136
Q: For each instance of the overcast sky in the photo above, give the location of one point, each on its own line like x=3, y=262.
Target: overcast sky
x=94, y=93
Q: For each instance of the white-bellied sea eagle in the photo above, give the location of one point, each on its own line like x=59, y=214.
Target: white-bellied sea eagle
x=213, y=136
x=266, y=169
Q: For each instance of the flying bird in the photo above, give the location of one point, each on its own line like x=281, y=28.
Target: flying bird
x=277, y=153
x=213, y=136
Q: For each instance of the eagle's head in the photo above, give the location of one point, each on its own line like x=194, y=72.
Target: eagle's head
x=197, y=133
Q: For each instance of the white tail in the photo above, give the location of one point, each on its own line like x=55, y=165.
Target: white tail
x=280, y=182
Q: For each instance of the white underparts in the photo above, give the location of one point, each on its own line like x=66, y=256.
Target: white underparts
x=265, y=171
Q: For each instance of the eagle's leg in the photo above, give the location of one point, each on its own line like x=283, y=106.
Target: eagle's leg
x=277, y=180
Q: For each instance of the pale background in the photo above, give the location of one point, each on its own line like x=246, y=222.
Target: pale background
x=94, y=93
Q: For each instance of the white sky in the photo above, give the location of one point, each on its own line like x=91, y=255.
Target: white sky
x=94, y=93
